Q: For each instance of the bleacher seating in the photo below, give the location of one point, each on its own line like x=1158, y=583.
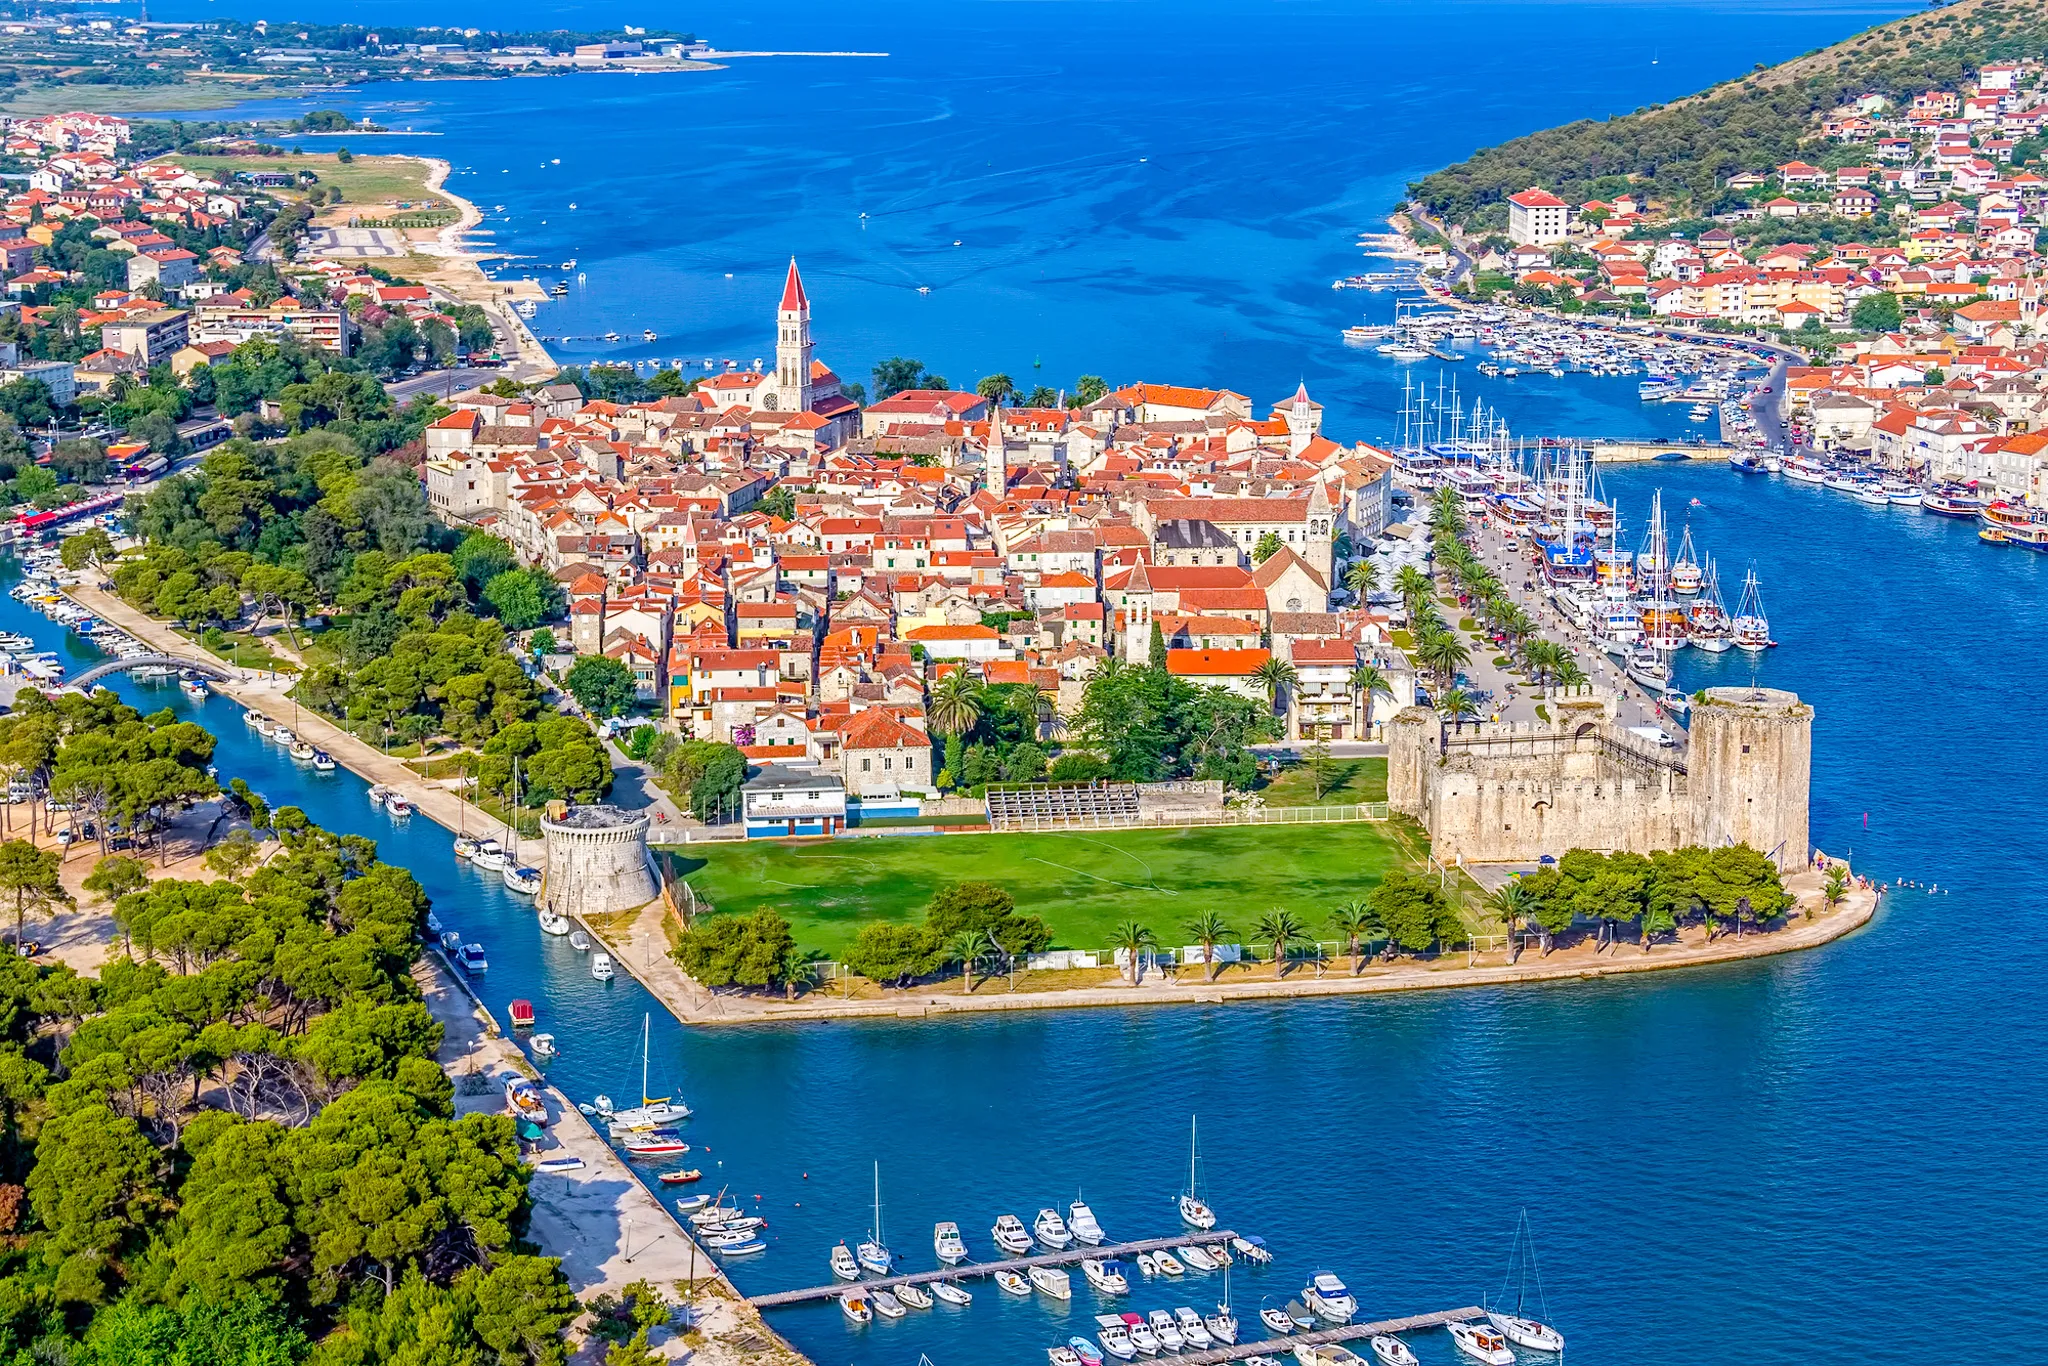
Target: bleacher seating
x=1048, y=806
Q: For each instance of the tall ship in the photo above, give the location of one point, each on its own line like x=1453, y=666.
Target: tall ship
x=1663, y=616
x=1751, y=627
x=1685, y=566
x=1707, y=620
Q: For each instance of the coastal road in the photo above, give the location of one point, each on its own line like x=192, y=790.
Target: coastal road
x=438, y=383
x=1461, y=264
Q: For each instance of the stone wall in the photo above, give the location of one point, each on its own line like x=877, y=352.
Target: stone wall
x=1752, y=771
x=597, y=861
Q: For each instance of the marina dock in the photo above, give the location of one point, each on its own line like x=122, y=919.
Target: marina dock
x=1068, y=1257
x=1282, y=1348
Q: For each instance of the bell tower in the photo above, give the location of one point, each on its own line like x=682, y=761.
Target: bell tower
x=793, y=344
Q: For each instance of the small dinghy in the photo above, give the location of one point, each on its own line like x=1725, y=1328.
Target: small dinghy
x=1276, y=1321
x=579, y=941
x=690, y=1204
x=558, y=1164
x=1168, y=1264
x=1392, y=1351
x=544, y=1046
x=914, y=1296
x=886, y=1304
x=952, y=1292
x=682, y=1178
x=1012, y=1282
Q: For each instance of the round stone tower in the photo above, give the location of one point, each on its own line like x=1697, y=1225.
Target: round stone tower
x=597, y=861
x=1750, y=770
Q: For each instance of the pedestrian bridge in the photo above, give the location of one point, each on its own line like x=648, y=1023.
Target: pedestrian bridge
x=211, y=668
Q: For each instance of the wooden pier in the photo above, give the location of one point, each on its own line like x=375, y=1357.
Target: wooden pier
x=1066, y=1257
x=1281, y=1348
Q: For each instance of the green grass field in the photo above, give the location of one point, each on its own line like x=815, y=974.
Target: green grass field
x=1348, y=782
x=1083, y=883
x=366, y=183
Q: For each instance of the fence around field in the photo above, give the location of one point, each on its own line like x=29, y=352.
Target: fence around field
x=1173, y=819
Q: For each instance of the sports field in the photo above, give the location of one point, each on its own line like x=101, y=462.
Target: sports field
x=1083, y=883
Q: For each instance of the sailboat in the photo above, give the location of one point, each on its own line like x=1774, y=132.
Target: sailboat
x=1663, y=619
x=1685, y=566
x=1519, y=1326
x=1194, y=1211
x=873, y=1254
x=1752, y=627
x=1222, y=1324
x=653, y=1111
x=1708, y=618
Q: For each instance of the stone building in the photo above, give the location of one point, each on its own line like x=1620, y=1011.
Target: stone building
x=1513, y=793
x=597, y=861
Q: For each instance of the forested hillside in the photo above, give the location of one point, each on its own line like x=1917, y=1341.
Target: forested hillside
x=1683, y=151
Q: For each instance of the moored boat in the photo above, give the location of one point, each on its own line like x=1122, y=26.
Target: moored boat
x=915, y=1296
x=948, y=1244
x=952, y=1292
x=1013, y=1283
x=1053, y=1281
x=1484, y=1345
x=1106, y=1276
x=1329, y=1297
x=1391, y=1350
x=1082, y=1224
x=1050, y=1229
x=1115, y=1336
x=1010, y=1235
x=855, y=1306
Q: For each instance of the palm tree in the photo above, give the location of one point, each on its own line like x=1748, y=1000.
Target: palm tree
x=1366, y=680
x=1276, y=676
x=1133, y=939
x=1443, y=654
x=1513, y=903
x=1447, y=511
x=1568, y=674
x=968, y=947
x=1279, y=929
x=1413, y=586
x=1361, y=577
x=956, y=705
x=1456, y=705
x=1357, y=921
x=1836, y=889
x=1542, y=657
x=1209, y=929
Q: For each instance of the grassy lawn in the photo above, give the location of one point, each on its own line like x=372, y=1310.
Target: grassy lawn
x=1083, y=883
x=244, y=651
x=1348, y=782
x=366, y=183
x=121, y=99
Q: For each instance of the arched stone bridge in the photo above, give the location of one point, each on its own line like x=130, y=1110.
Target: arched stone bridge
x=212, y=668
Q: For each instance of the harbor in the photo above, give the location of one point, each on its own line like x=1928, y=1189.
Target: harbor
x=982, y=1270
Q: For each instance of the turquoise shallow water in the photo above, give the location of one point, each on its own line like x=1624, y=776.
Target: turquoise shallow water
x=1826, y=1158
x=1763, y=1153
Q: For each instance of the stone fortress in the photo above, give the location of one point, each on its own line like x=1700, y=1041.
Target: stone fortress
x=597, y=861
x=1500, y=793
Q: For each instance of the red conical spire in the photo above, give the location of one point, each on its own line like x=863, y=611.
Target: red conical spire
x=793, y=299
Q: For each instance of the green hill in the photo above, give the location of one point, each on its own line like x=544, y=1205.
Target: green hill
x=1681, y=152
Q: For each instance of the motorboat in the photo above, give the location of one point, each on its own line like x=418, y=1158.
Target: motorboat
x=1537, y=1337
x=1082, y=1224
x=1147, y=1266
x=1085, y=1352
x=886, y=1304
x=1163, y=1327
x=653, y=1143
x=543, y=1046
x=378, y=793
x=1012, y=1282
x=716, y=1213
x=1485, y=1345
x=323, y=762
x=521, y=1011
x=1803, y=471
x=398, y=805
x=1010, y=1235
x=722, y=1241
x=744, y=1224
x=1951, y=502
x=1276, y=1321
x=451, y=942
x=843, y=1265
x=915, y=1296
x=948, y=1244
x=601, y=966
x=526, y=1101
x=1218, y=1253
x=1107, y=1277
x=1252, y=1250
x=1142, y=1336
x=1326, y=1354
x=284, y=736
x=1051, y=1230
x=1199, y=1258
x=1115, y=1337
x=689, y=1204
x=302, y=750
x=855, y=1306
x=552, y=922
x=952, y=1292
x=1902, y=492
x=194, y=688
x=642, y=1118
x=1062, y=1356
x=1329, y=1298
x=1053, y=1281
x=258, y=722
x=1168, y=1264
x=741, y=1249
x=489, y=854
x=680, y=1178
x=579, y=941
x=1192, y=1330
x=470, y=958
x=1391, y=1350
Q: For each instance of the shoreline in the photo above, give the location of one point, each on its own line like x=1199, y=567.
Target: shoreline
x=467, y=282
x=641, y=949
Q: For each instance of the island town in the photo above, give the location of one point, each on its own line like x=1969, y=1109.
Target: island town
x=813, y=618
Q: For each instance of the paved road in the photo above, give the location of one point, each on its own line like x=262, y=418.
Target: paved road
x=1461, y=264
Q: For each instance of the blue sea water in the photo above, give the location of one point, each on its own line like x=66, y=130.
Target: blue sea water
x=1826, y=1158
x=1138, y=189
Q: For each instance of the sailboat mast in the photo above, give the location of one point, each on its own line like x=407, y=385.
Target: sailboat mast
x=645, y=1026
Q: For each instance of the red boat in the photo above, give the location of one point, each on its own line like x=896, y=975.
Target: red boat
x=654, y=1144
x=522, y=1014
x=680, y=1178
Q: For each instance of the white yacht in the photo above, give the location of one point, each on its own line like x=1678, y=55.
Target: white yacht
x=1114, y=1336
x=1199, y=1258
x=854, y=1305
x=1194, y=1211
x=873, y=1254
x=1276, y=1321
x=843, y=1265
x=1329, y=1298
x=1392, y=1351
x=1050, y=1229
x=1053, y=1282
x=1166, y=1330
x=947, y=1243
x=552, y=922
x=1142, y=1336
x=1222, y=1324
x=601, y=966
x=1010, y=1235
x=1192, y=1330
x=1012, y=1282
x=489, y=855
x=1061, y=1356
x=1081, y=1221
x=1107, y=1277
x=1482, y=1344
